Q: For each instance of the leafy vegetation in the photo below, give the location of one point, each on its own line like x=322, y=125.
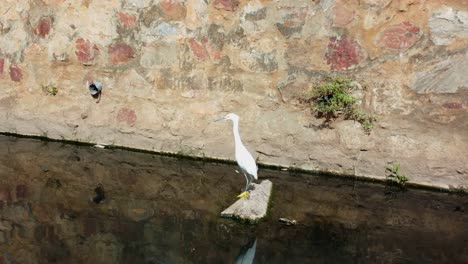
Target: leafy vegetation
x=49, y=90
x=394, y=175
x=334, y=98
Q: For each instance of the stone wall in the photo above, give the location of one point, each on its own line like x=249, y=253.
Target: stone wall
x=169, y=67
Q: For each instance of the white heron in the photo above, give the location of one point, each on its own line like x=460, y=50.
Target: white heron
x=243, y=157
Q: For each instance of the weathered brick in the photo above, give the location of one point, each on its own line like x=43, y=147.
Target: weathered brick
x=127, y=20
x=204, y=49
x=120, y=53
x=85, y=52
x=16, y=74
x=43, y=27
x=400, y=37
x=172, y=9
x=198, y=49
x=342, y=53
x=453, y=105
x=127, y=115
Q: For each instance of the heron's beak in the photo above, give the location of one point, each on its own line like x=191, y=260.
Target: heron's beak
x=220, y=119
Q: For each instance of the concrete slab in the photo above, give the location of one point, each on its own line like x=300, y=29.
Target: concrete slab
x=253, y=207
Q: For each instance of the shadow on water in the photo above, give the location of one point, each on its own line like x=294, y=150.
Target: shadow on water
x=62, y=203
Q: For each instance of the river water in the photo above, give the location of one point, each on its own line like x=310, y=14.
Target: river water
x=62, y=203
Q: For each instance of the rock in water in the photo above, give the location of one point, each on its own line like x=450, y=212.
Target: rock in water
x=251, y=208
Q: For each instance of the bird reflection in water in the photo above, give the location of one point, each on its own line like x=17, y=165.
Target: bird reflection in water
x=247, y=254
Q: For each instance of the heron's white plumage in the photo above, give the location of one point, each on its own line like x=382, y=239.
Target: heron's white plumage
x=243, y=157
x=245, y=160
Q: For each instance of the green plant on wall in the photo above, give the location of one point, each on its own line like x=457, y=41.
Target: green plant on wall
x=49, y=89
x=394, y=175
x=333, y=98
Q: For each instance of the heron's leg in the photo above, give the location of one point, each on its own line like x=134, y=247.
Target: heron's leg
x=247, y=181
x=251, y=186
x=245, y=192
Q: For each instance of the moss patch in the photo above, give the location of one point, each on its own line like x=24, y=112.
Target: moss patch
x=49, y=89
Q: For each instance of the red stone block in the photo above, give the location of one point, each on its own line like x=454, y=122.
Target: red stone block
x=127, y=115
x=85, y=52
x=127, y=20
x=453, y=105
x=342, y=53
x=43, y=27
x=228, y=5
x=2, y=64
x=400, y=37
x=16, y=74
x=120, y=53
x=213, y=52
x=292, y=19
x=173, y=9
x=203, y=49
x=199, y=49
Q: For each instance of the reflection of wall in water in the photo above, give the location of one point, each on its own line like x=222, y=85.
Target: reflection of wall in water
x=160, y=208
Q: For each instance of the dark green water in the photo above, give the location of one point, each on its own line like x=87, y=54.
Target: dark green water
x=165, y=210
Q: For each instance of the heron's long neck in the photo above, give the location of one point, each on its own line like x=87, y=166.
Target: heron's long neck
x=235, y=131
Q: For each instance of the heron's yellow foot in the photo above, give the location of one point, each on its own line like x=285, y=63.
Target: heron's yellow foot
x=242, y=195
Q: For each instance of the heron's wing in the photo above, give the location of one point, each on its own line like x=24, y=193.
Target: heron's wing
x=246, y=161
x=247, y=255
